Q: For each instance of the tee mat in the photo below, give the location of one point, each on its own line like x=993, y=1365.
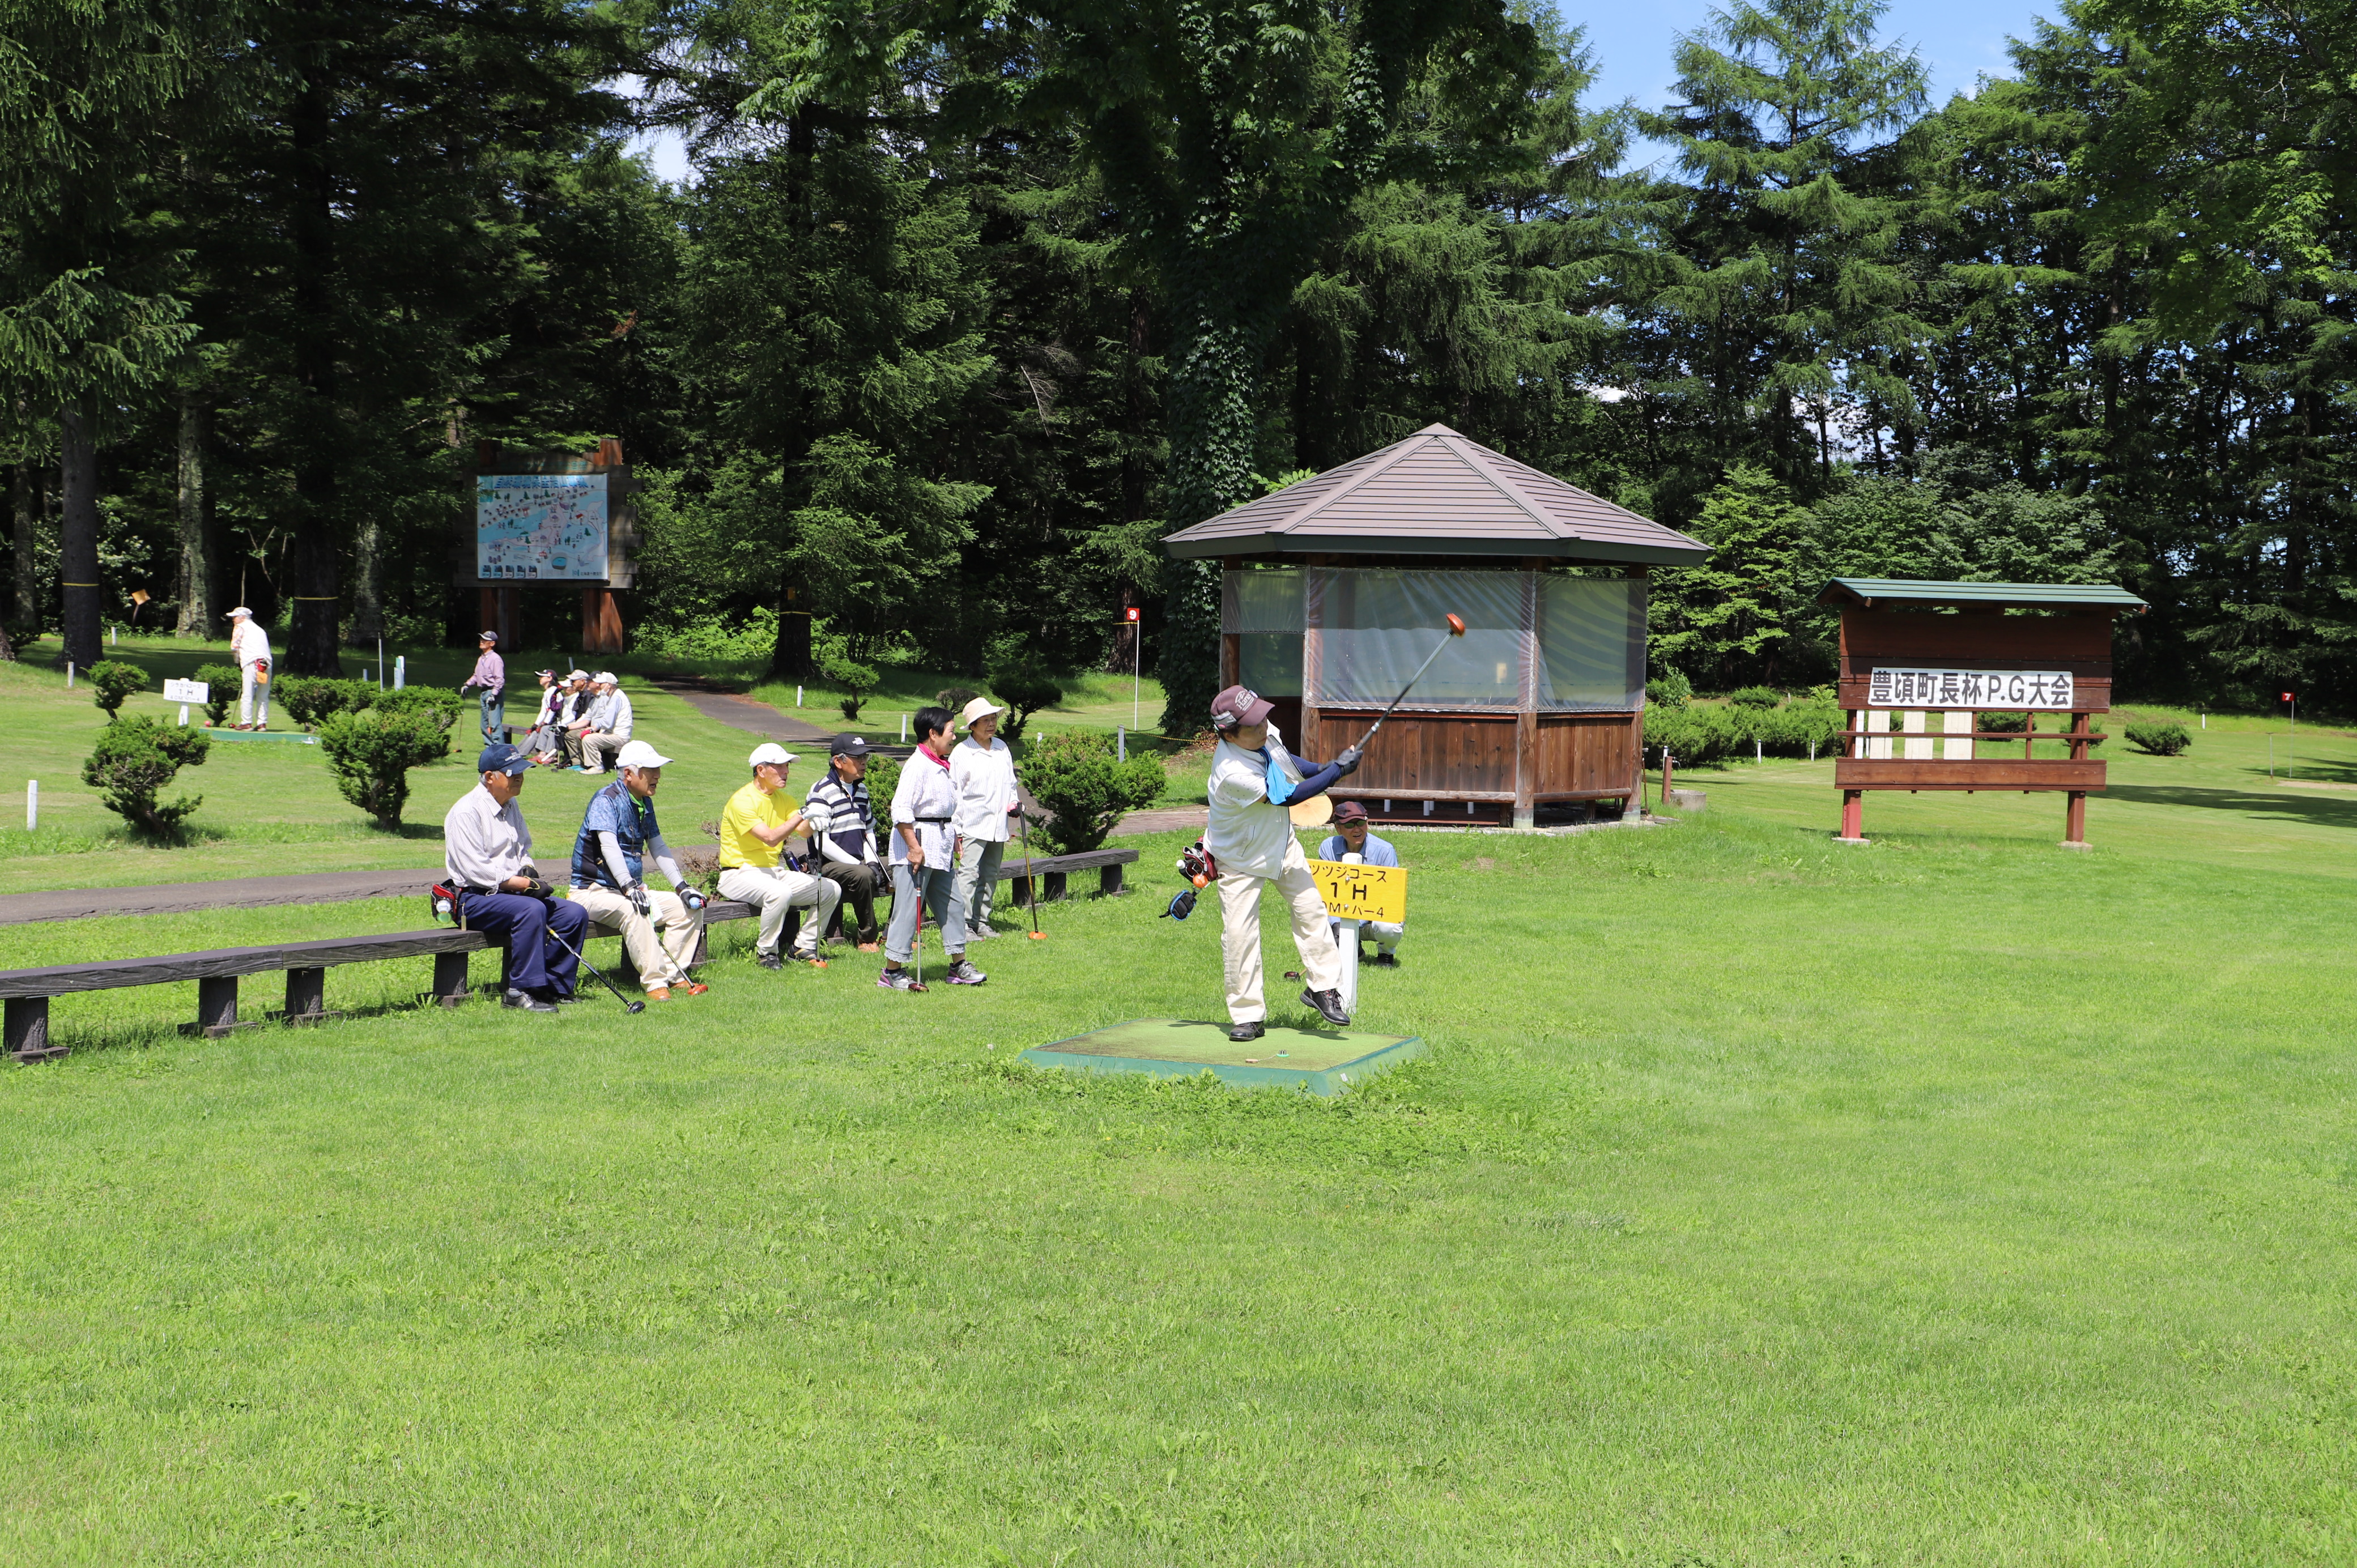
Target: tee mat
x=1323, y=1061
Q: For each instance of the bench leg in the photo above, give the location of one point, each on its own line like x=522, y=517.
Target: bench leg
x=450, y=978
x=307, y=996
x=217, y=1006
x=1019, y=889
x=1109, y=882
x=28, y=1030
x=1054, y=889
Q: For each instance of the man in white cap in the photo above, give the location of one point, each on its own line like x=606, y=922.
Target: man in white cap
x=754, y=827
x=982, y=776
x=619, y=835
x=610, y=725
x=490, y=678
x=248, y=648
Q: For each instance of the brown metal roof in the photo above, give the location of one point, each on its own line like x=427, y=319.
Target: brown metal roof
x=1437, y=493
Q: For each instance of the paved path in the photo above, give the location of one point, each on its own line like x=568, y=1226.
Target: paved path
x=742, y=712
x=238, y=892
x=1170, y=819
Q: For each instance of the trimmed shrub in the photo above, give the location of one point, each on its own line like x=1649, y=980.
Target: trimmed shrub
x=1669, y=690
x=1696, y=735
x=2007, y=723
x=1756, y=697
x=222, y=680
x=113, y=683
x=882, y=777
x=1023, y=684
x=1074, y=775
x=311, y=699
x=856, y=679
x=955, y=698
x=371, y=752
x=136, y=757
x=438, y=700
x=2162, y=739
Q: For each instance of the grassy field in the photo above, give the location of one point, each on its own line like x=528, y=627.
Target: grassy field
x=1951, y=1200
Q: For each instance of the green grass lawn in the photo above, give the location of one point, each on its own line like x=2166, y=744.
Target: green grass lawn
x=1951, y=1200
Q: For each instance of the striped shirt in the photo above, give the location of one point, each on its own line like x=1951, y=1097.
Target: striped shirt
x=840, y=812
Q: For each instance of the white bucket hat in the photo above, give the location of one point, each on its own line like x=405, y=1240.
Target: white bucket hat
x=607, y=677
x=980, y=708
x=639, y=754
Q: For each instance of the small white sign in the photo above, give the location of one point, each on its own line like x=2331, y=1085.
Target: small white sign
x=187, y=691
x=2040, y=689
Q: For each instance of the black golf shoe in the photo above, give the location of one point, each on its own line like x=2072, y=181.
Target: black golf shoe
x=1327, y=1005
x=768, y=960
x=527, y=1002
x=1240, y=1033
x=1384, y=961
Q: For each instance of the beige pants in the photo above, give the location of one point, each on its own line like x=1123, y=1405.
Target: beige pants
x=598, y=749
x=774, y=890
x=660, y=963
x=1321, y=961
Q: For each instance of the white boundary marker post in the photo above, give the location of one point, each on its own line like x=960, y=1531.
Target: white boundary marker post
x=32, y=804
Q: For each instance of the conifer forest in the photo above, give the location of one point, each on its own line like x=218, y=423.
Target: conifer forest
x=967, y=304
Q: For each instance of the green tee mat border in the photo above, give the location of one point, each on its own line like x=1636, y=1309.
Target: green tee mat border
x=291, y=737
x=1341, y=1057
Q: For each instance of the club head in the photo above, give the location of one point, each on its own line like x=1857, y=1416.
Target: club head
x=1038, y=936
x=634, y=1006
x=1456, y=626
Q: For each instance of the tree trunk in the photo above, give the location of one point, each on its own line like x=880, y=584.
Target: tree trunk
x=1213, y=364
x=315, y=580
x=368, y=589
x=199, y=560
x=78, y=537
x=24, y=505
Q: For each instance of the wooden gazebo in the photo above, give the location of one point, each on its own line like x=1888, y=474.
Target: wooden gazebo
x=1334, y=589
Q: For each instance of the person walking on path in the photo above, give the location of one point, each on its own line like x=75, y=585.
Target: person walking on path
x=486, y=850
x=754, y=827
x=843, y=832
x=1352, y=837
x=1254, y=778
x=490, y=679
x=924, y=858
x=982, y=776
x=609, y=725
x=249, y=649
x=619, y=835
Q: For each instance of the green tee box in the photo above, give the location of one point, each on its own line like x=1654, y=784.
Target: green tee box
x=284, y=738
x=1323, y=1061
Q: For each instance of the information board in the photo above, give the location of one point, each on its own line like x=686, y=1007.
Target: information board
x=541, y=526
x=2042, y=689
x=1362, y=892
x=187, y=691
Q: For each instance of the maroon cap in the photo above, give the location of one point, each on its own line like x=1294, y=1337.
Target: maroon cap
x=1240, y=705
x=1350, y=811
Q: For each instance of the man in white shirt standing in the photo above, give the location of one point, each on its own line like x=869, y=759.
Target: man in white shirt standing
x=1254, y=778
x=982, y=776
x=248, y=648
x=924, y=859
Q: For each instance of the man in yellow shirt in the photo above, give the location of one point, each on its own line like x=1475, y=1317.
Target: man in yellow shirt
x=753, y=830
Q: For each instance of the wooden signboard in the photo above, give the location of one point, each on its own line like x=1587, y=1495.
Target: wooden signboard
x=549, y=517
x=1917, y=653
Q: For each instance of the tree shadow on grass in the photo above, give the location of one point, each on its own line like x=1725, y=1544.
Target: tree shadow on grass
x=2284, y=805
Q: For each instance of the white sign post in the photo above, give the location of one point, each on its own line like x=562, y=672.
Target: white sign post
x=186, y=691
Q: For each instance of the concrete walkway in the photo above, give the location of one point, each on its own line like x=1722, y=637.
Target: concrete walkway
x=237, y=893
x=741, y=713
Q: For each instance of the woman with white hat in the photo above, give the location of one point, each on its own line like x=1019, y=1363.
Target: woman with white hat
x=249, y=645
x=981, y=778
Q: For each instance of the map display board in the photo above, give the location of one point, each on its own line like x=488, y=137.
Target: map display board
x=541, y=526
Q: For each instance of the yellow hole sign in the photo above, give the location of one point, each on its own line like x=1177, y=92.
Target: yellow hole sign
x=1362, y=892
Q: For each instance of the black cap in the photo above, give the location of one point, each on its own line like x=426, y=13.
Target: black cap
x=847, y=745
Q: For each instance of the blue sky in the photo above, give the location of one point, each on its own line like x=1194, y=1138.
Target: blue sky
x=1959, y=43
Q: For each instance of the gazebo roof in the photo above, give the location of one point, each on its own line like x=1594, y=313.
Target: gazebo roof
x=1437, y=493
x=1872, y=591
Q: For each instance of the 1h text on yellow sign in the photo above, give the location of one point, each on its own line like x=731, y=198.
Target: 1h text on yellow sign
x=1362, y=892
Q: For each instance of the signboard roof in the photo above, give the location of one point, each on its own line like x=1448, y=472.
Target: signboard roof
x=2010, y=595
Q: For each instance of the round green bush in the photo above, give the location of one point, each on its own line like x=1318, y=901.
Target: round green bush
x=1669, y=690
x=309, y=700
x=371, y=752
x=1074, y=774
x=2160, y=737
x=1026, y=686
x=135, y=758
x=221, y=680
x=114, y=683
x=1756, y=697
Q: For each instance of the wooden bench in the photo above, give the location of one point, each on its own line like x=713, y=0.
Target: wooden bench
x=27, y=990
x=1054, y=873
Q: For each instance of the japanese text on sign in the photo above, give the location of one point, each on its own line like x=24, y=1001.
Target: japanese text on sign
x=531, y=526
x=1971, y=689
x=1362, y=892
x=187, y=691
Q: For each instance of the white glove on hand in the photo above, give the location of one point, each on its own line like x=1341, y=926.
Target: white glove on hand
x=638, y=897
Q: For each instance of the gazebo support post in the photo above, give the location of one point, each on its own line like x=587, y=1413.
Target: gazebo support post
x=1526, y=769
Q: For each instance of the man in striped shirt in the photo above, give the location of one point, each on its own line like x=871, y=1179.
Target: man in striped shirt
x=843, y=833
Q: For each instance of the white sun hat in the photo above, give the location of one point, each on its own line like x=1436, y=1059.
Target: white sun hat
x=241, y=610
x=607, y=677
x=639, y=754
x=980, y=708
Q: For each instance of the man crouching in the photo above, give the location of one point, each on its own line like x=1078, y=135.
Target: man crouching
x=618, y=834
x=487, y=849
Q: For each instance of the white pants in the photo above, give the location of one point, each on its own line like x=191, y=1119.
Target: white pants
x=1322, y=960
x=662, y=963
x=1386, y=938
x=252, y=698
x=774, y=890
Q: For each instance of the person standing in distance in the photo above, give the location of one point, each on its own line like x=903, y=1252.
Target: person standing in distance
x=249, y=649
x=982, y=776
x=490, y=678
x=619, y=835
x=843, y=832
x=486, y=850
x=924, y=858
x=1352, y=837
x=1254, y=778
x=754, y=827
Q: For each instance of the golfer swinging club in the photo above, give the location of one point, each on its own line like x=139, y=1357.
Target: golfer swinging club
x=1254, y=778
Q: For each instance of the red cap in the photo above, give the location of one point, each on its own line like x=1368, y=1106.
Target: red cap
x=1350, y=811
x=1240, y=705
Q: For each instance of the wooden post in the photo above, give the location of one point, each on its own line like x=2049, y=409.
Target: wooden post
x=217, y=1005
x=27, y=1032
x=307, y=996
x=601, y=619
x=450, y=978
x=1526, y=769
x=1853, y=828
x=2074, y=820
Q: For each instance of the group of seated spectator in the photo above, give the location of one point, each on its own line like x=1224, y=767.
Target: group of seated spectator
x=583, y=723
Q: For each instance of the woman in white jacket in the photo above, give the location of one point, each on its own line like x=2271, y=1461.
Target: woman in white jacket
x=982, y=776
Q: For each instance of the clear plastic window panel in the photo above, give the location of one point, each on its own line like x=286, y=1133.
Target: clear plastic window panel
x=1268, y=600
x=1592, y=634
x=1270, y=662
x=1376, y=626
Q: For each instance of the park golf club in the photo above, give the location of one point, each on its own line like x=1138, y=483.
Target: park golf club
x=1456, y=628
x=1030, y=877
x=629, y=1004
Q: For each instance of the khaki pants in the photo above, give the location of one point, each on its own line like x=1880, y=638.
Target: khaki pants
x=774, y=890
x=977, y=881
x=662, y=963
x=598, y=748
x=1321, y=961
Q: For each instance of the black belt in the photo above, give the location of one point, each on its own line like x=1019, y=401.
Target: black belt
x=933, y=818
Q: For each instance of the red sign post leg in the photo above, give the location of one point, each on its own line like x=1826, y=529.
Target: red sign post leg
x=1853, y=816
x=2074, y=820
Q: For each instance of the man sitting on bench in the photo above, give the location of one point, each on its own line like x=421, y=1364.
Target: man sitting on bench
x=487, y=850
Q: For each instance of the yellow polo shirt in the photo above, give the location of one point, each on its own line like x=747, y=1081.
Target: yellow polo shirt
x=747, y=808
